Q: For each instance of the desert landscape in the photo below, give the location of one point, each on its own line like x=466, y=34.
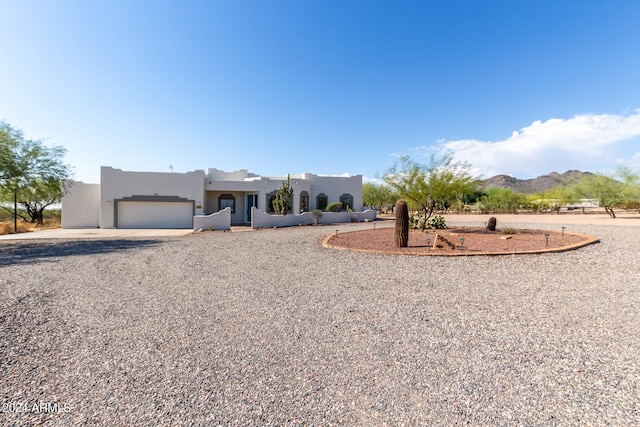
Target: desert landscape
x=270, y=327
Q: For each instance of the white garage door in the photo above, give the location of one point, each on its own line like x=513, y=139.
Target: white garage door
x=155, y=214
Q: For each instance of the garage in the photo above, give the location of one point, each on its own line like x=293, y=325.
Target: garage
x=154, y=214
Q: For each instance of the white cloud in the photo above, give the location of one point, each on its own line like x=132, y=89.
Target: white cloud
x=634, y=162
x=342, y=175
x=580, y=142
x=368, y=180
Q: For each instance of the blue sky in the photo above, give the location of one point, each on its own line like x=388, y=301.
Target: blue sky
x=331, y=87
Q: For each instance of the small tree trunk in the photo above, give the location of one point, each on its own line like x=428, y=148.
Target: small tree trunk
x=39, y=217
x=609, y=210
x=402, y=224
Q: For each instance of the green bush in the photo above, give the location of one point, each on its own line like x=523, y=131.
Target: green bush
x=502, y=200
x=509, y=230
x=334, y=207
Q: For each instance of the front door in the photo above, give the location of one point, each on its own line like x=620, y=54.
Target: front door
x=252, y=200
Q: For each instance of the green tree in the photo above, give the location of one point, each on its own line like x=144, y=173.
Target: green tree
x=377, y=195
x=553, y=199
x=31, y=174
x=431, y=187
x=502, y=200
x=611, y=191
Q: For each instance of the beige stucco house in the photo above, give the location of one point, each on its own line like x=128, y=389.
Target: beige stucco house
x=126, y=199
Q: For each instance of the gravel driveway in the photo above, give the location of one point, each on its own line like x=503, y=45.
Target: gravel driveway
x=269, y=328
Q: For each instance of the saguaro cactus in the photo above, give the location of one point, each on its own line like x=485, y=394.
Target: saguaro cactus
x=284, y=198
x=402, y=224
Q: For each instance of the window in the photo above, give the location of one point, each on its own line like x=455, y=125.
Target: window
x=304, y=201
x=227, y=201
x=347, y=201
x=322, y=201
x=270, y=198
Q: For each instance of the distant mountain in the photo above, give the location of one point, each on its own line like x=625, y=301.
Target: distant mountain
x=535, y=185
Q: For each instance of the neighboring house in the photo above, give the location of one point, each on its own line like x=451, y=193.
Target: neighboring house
x=126, y=199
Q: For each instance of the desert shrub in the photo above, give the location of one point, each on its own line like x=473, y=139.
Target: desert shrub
x=316, y=214
x=23, y=227
x=509, y=230
x=632, y=205
x=334, y=207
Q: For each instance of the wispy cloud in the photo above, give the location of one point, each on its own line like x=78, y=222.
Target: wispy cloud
x=342, y=175
x=369, y=180
x=581, y=142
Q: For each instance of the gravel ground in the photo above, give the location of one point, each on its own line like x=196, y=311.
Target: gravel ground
x=269, y=328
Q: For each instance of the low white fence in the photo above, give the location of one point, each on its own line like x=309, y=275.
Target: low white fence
x=216, y=221
x=260, y=219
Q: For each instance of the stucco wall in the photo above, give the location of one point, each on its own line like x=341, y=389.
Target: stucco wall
x=260, y=219
x=216, y=221
x=81, y=206
x=239, y=175
x=118, y=184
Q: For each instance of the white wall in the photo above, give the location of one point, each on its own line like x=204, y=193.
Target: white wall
x=117, y=184
x=218, y=221
x=239, y=175
x=81, y=205
x=260, y=219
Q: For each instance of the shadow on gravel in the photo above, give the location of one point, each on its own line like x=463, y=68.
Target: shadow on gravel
x=30, y=252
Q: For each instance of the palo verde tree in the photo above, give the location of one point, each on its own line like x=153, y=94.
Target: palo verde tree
x=553, y=199
x=32, y=175
x=611, y=191
x=284, y=198
x=501, y=200
x=377, y=195
x=431, y=187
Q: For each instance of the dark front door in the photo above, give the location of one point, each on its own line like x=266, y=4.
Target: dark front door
x=252, y=200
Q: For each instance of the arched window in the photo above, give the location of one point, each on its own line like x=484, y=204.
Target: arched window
x=322, y=201
x=347, y=201
x=227, y=201
x=304, y=201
